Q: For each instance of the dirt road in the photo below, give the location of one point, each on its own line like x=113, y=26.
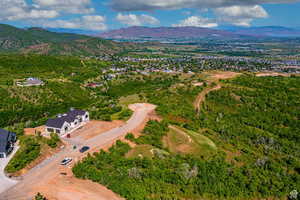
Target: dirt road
x=213, y=77
x=201, y=97
x=46, y=177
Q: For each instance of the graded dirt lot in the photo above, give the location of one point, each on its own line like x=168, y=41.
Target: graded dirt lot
x=47, y=179
x=262, y=74
x=33, y=131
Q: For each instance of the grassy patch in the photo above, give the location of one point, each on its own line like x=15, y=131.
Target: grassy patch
x=144, y=151
x=131, y=99
x=182, y=141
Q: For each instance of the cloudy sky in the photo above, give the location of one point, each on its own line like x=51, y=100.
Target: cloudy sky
x=102, y=15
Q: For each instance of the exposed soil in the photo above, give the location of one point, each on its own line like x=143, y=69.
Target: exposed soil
x=47, y=179
x=34, y=131
x=263, y=74
x=213, y=77
x=201, y=97
x=94, y=127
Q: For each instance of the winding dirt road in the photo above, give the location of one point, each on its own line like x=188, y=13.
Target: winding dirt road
x=47, y=179
x=213, y=77
x=201, y=97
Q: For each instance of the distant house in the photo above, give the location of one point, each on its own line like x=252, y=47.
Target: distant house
x=7, y=141
x=30, y=82
x=94, y=85
x=66, y=123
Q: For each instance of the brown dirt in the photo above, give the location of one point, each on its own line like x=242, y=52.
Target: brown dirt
x=69, y=188
x=213, y=77
x=93, y=127
x=198, y=84
x=263, y=74
x=201, y=97
x=224, y=75
x=47, y=179
x=34, y=131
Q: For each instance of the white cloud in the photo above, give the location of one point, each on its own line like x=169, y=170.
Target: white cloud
x=197, y=21
x=240, y=15
x=88, y=22
x=136, y=20
x=19, y=9
x=68, y=6
x=138, y=5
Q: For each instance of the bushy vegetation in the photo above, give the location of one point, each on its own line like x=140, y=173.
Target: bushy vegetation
x=53, y=141
x=29, y=150
x=256, y=117
x=153, y=133
x=39, y=196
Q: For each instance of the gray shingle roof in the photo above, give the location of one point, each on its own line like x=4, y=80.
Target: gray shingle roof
x=5, y=136
x=68, y=117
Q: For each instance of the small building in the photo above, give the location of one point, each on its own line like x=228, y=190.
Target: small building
x=7, y=141
x=30, y=82
x=94, y=85
x=68, y=122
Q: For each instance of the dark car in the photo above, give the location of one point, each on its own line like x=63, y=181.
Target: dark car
x=84, y=149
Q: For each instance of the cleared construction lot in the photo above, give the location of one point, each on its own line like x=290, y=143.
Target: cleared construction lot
x=47, y=178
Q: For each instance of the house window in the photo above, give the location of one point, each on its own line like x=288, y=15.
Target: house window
x=57, y=131
x=66, y=128
x=86, y=116
x=51, y=130
x=2, y=155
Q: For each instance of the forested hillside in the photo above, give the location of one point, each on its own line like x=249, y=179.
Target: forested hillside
x=37, y=40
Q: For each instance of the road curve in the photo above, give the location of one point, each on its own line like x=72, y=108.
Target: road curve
x=5, y=182
x=49, y=168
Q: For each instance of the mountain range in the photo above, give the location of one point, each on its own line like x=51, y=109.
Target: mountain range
x=184, y=33
x=38, y=40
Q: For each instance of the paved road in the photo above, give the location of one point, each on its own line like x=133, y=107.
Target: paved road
x=50, y=167
x=6, y=183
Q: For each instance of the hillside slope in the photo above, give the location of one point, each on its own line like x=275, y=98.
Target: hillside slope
x=37, y=40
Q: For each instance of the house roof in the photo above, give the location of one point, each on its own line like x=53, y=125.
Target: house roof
x=5, y=136
x=68, y=117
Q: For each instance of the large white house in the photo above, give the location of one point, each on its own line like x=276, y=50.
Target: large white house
x=66, y=123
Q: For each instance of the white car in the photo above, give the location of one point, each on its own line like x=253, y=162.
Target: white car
x=66, y=161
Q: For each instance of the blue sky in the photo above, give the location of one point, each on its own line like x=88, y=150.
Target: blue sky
x=103, y=15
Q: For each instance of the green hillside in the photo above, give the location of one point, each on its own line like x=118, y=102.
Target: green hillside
x=37, y=40
x=250, y=128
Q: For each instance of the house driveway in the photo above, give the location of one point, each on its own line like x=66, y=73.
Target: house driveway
x=6, y=183
x=47, y=179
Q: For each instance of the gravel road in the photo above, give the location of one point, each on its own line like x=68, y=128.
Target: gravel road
x=6, y=183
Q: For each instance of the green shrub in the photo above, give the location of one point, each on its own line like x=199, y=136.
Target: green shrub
x=130, y=137
x=53, y=141
x=28, y=152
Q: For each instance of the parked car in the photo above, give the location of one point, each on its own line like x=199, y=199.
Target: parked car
x=66, y=161
x=84, y=149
